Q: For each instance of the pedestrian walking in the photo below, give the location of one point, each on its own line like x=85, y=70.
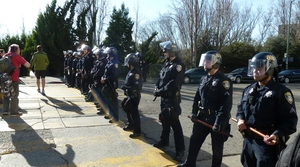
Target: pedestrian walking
x=39, y=62
x=212, y=105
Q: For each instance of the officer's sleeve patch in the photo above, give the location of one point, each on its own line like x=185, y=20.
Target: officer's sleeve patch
x=137, y=76
x=178, y=68
x=288, y=97
x=116, y=65
x=226, y=84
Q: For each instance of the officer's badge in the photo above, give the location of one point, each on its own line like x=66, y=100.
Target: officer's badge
x=137, y=76
x=288, y=97
x=214, y=83
x=178, y=68
x=251, y=91
x=116, y=65
x=226, y=84
x=268, y=94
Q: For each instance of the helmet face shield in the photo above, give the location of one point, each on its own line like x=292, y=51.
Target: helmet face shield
x=126, y=60
x=167, y=45
x=206, y=60
x=131, y=59
x=107, y=50
x=257, y=67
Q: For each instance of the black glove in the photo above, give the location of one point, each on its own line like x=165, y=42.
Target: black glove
x=157, y=92
x=216, y=128
x=123, y=87
x=193, y=118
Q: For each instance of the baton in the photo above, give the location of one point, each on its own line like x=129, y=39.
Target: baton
x=154, y=98
x=208, y=125
x=254, y=131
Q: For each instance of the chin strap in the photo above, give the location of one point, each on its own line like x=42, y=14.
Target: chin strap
x=264, y=79
x=208, y=69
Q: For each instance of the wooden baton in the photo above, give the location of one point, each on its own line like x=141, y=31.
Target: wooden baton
x=208, y=125
x=254, y=131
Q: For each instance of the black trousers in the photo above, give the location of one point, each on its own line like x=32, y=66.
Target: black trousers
x=178, y=135
x=111, y=98
x=133, y=118
x=198, y=136
x=257, y=153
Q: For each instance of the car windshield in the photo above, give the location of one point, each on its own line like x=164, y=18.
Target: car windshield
x=285, y=72
x=190, y=70
x=238, y=70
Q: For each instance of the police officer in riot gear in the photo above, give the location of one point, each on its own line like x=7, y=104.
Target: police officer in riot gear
x=269, y=107
x=168, y=88
x=68, y=56
x=74, y=69
x=110, y=81
x=132, y=89
x=143, y=66
x=87, y=64
x=97, y=72
x=212, y=105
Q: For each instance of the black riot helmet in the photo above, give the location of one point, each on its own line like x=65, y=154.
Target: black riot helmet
x=111, y=51
x=211, y=59
x=138, y=55
x=85, y=47
x=98, y=52
x=263, y=63
x=132, y=60
x=167, y=46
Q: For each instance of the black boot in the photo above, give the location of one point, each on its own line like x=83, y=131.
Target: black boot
x=128, y=128
x=160, y=144
x=178, y=156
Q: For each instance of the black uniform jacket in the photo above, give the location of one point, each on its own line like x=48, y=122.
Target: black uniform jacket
x=271, y=107
x=214, y=94
x=171, y=77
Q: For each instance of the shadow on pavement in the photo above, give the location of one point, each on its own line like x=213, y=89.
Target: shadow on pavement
x=36, y=146
x=64, y=105
x=152, y=128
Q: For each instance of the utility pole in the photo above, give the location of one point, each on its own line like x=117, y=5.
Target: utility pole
x=288, y=37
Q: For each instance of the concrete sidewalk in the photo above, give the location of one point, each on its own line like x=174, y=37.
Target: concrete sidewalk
x=61, y=129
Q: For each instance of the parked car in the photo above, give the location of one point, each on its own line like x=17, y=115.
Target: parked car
x=239, y=75
x=193, y=75
x=292, y=75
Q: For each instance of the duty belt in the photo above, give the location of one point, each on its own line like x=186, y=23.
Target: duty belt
x=207, y=111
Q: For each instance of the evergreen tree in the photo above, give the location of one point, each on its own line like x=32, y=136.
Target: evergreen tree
x=55, y=33
x=119, y=32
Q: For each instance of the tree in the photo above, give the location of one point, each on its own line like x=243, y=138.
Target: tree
x=119, y=32
x=149, y=54
x=54, y=31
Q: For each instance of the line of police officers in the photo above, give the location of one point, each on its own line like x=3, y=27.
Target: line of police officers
x=266, y=105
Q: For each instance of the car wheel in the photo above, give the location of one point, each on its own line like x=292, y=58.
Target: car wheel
x=186, y=80
x=238, y=79
x=286, y=80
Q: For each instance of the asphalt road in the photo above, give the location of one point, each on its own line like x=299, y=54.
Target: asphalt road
x=233, y=146
x=61, y=129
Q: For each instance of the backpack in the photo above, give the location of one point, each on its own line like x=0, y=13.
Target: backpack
x=6, y=69
x=6, y=86
x=290, y=156
x=6, y=66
